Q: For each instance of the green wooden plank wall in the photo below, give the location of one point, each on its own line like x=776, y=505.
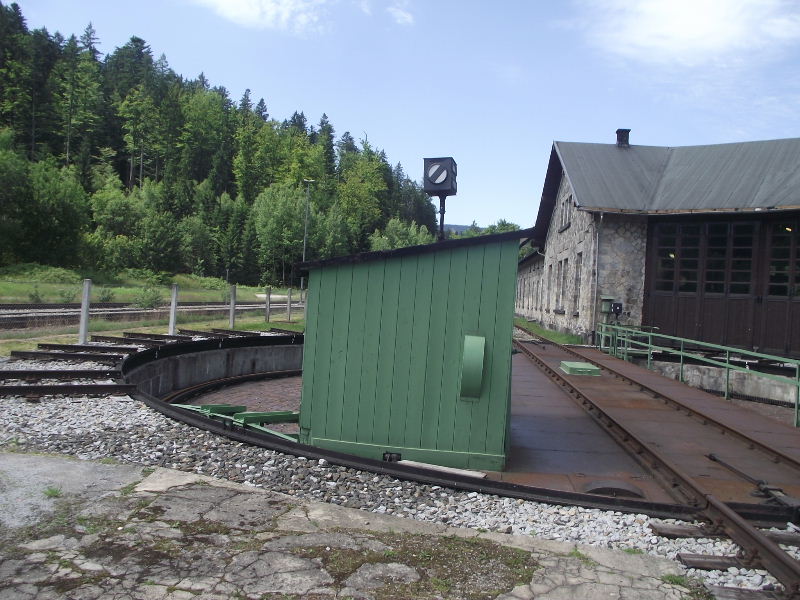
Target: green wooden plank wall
x=383, y=355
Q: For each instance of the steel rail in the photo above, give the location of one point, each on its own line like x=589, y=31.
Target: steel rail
x=79, y=389
x=767, y=516
x=775, y=454
x=63, y=374
x=756, y=548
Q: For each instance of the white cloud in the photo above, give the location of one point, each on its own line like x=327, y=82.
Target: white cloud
x=691, y=32
x=365, y=6
x=297, y=16
x=400, y=13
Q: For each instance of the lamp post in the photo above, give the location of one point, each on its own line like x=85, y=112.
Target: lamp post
x=308, y=183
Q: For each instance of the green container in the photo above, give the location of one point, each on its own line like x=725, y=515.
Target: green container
x=409, y=352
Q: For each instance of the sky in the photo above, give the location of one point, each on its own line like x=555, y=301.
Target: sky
x=490, y=83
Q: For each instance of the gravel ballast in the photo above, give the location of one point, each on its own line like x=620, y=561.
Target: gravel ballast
x=122, y=428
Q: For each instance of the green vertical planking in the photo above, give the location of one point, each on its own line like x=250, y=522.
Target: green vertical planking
x=432, y=396
x=497, y=423
x=309, y=352
x=369, y=366
x=473, y=282
x=355, y=348
x=322, y=356
x=453, y=342
x=494, y=386
x=401, y=380
x=339, y=349
x=419, y=351
x=386, y=347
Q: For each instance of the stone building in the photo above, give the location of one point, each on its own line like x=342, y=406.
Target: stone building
x=702, y=242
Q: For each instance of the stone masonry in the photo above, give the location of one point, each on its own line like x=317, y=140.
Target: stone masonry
x=562, y=286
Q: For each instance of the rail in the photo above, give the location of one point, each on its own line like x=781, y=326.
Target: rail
x=628, y=342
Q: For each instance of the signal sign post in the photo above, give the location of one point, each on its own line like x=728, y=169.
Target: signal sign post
x=440, y=180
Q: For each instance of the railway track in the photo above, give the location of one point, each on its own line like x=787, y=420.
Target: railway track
x=687, y=486
x=732, y=519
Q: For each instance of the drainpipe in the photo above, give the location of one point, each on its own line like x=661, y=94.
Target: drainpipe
x=596, y=275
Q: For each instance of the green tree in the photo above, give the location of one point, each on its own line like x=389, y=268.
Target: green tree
x=278, y=214
x=57, y=216
x=78, y=96
x=143, y=131
x=244, y=162
x=15, y=197
x=197, y=246
x=399, y=235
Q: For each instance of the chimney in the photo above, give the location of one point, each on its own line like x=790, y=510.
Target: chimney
x=622, y=138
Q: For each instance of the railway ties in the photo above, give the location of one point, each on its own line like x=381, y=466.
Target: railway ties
x=704, y=456
x=69, y=382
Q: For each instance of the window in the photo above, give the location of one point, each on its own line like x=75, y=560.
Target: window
x=784, y=262
x=566, y=213
x=576, y=292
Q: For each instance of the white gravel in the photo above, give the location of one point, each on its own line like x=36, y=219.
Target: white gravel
x=129, y=431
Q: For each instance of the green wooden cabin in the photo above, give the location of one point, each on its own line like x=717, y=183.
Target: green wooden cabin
x=409, y=352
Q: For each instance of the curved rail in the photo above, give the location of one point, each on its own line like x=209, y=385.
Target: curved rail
x=757, y=549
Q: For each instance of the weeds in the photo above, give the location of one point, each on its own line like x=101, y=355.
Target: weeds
x=53, y=492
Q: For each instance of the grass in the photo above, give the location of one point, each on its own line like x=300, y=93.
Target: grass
x=632, y=551
x=553, y=336
x=29, y=282
x=52, y=492
x=28, y=339
x=582, y=557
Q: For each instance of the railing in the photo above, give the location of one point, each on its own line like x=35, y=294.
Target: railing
x=629, y=342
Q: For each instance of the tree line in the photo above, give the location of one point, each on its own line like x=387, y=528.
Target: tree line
x=116, y=161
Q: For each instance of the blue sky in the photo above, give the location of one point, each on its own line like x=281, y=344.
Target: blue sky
x=490, y=83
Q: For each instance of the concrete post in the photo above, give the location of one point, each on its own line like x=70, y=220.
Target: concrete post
x=232, y=312
x=267, y=302
x=289, y=306
x=83, y=329
x=173, y=309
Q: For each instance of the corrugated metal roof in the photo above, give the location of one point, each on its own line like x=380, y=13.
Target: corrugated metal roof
x=739, y=176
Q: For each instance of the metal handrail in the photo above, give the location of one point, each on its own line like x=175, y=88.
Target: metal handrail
x=622, y=342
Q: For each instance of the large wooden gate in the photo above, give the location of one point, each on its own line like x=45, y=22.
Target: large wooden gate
x=733, y=281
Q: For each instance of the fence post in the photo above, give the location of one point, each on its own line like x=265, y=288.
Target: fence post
x=83, y=329
x=232, y=309
x=797, y=396
x=680, y=374
x=267, y=302
x=727, y=373
x=289, y=305
x=173, y=309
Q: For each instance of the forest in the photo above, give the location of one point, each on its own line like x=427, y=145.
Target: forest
x=114, y=162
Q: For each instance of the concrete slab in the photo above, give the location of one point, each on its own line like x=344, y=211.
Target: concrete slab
x=177, y=535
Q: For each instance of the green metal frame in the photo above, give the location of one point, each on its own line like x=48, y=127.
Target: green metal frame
x=239, y=415
x=628, y=342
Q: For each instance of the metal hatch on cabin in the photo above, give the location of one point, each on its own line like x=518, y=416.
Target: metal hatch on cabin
x=408, y=352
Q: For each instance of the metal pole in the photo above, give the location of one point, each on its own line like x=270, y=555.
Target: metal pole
x=441, y=217
x=289, y=306
x=267, y=302
x=173, y=309
x=797, y=396
x=83, y=329
x=232, y=310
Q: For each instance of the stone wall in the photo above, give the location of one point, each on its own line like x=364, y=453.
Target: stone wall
x=621, y=264
x=559, y=290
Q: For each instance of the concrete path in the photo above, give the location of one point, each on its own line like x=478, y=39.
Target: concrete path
x=87, y=530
